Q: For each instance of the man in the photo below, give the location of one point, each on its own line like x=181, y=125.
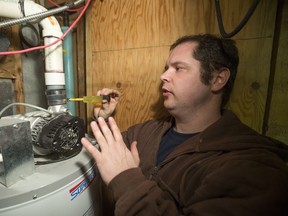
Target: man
x=200, y=161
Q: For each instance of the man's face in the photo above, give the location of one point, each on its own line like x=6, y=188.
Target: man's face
x=182, y=88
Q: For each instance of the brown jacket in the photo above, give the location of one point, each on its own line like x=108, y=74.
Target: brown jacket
x=228, y=169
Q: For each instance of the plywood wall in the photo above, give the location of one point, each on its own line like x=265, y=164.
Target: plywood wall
x=277, y=117
x=127, y=43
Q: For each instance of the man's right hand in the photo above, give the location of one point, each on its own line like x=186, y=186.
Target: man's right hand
x=107, y=107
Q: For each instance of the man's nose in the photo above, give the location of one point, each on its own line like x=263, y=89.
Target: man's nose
x=164, y=76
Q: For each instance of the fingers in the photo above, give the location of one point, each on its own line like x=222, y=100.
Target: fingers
x=107, y=108
x=96, y=112
x=114, y=94
x=114, y=128
x=89, y=147
x=102, y=133
x=113, y=157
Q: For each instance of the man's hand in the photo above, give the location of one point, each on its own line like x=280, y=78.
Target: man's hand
x=113, y=157
x=107, y=108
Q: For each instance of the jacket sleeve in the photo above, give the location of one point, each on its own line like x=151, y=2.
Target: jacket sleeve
x=235, y=184
x=241, y=187
x=136, y=195
x=235, y=188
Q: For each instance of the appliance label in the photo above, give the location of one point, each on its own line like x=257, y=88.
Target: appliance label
x=83, y=185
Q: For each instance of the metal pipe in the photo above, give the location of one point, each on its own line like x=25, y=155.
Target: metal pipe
x=5, y=5
x=69, y=68
x=54, y=72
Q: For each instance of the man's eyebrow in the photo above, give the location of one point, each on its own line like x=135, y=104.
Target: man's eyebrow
x=179, y=62
x=166, y=66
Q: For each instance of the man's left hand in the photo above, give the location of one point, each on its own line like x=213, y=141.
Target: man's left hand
x=113, y=157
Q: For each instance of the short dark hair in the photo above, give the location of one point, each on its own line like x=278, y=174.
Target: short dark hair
x=214, y=53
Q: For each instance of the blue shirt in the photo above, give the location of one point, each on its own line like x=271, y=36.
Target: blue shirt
x=169, y=142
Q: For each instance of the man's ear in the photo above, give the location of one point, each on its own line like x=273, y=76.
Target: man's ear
x=220, y=78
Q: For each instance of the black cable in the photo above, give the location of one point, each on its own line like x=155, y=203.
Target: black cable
x=242, y=23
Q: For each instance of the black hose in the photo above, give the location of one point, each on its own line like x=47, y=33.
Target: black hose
x=242, y=23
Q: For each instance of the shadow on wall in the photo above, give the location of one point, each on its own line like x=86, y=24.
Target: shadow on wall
x=158, y=109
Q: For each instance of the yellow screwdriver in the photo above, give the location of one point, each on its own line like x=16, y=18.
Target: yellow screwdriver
x=91, y=99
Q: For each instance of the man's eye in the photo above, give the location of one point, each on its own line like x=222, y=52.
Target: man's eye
x=178, y=68
x=165, y=69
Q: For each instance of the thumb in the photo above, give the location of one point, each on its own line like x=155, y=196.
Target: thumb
x=134, y=152
x=96, y=112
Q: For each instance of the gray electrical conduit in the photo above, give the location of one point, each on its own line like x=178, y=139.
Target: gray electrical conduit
x=23, y=104
x=40, y=15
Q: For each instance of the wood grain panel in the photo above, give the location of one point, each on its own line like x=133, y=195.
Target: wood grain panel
x=261, y=24
x=278, y=118
x=136, y=76
x=183, y=17
x=128, y=41
x=119, y=24
x=250, y=91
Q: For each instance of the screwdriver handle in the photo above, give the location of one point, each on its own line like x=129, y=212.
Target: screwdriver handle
x=91, y=99
x=96, y=99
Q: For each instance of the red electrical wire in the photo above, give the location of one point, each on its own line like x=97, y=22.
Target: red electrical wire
x=57, y=5
x=51, y=44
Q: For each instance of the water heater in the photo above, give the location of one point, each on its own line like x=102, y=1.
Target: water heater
x=43, y=168
x=69, y=187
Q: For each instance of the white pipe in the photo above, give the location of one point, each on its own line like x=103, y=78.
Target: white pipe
x=54, y=72
x=10, y=9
